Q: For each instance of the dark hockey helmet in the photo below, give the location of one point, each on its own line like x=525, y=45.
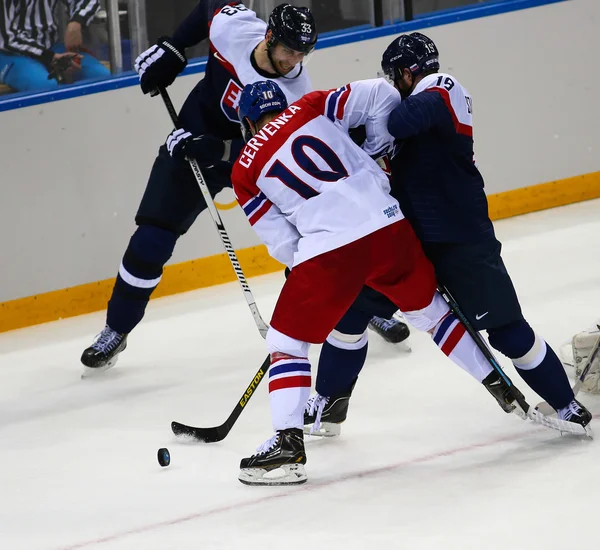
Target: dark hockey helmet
x=294, y=27
x=414, y=51
x=258, y=99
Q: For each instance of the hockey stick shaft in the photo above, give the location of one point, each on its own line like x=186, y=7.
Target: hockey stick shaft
x=479, y=342
x=218, y=433
x=524, y=410
x=261, y=325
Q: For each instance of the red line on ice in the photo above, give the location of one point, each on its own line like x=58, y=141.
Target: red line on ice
x=301, y=489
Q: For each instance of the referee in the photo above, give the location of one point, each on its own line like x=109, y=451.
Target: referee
x=31, y=55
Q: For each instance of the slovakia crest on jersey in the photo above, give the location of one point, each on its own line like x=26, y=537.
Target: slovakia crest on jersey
x=231, y=100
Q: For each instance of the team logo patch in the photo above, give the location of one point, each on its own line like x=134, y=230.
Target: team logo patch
x=231, y=100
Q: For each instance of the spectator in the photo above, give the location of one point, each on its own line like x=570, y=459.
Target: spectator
x=32, y=58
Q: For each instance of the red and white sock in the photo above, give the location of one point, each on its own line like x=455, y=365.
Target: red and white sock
x=452, y=338
x=289, y=390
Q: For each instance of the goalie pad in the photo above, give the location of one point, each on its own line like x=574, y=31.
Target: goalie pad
x=575, y=354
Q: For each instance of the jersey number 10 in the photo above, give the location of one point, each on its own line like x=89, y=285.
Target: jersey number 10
x=289, y=179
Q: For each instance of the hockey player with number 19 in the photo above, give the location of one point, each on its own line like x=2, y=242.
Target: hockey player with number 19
x=438, y=185
x=322, y=206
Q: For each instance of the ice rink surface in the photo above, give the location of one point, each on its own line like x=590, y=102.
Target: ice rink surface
x=426, y=459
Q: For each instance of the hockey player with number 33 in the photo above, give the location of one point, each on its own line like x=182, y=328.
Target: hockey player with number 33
x=322, y=206
x=244, y=49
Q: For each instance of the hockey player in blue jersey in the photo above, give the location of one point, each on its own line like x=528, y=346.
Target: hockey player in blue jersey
x=243, y=49
x=441, y=192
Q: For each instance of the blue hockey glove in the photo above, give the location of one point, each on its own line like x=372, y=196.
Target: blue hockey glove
x=207, y=150
x=160, y=64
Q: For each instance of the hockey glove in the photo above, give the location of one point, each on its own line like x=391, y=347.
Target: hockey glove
x=160, y=64
x=207, y=150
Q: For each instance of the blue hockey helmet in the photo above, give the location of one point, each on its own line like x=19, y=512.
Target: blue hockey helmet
x=258, y=99
x=294, y=27
x=415, y=52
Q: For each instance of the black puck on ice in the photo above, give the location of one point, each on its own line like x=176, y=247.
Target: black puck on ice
x=164, y=457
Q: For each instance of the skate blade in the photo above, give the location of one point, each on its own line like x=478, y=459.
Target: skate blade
x=563, y=426
x=91, y=372
x=327, y=429
x=288, y=474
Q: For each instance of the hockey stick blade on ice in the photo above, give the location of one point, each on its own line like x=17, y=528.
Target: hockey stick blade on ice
x=261, y=325
x=218, y=433
x=523, y=409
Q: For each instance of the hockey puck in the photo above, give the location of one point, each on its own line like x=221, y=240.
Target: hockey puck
x=164, y=457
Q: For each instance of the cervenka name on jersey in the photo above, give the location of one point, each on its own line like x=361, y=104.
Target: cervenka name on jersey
x=268, y=130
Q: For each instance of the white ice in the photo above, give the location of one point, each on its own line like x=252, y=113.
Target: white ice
x=426, y=459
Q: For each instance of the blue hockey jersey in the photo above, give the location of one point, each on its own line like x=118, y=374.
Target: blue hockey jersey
x=434, y=176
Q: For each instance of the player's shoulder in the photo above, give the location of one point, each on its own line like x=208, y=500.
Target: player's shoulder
x=235, y=24
x=444, y=81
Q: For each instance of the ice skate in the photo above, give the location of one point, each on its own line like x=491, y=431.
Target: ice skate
x=104, y=352
x=575, y=412
x=323, y=416
x=501, y=391
x=391, y=330
x=278, y=461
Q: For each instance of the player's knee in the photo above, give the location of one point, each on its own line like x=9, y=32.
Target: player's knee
x=429, y=317
x=342, y=340
x=151, y=245
x=278, y=342
x=519, y=342
x=351, y=331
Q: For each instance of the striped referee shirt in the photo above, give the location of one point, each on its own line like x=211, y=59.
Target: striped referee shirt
x=30, y=27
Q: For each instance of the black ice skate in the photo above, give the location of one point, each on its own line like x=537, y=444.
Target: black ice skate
x=501, y=391
x=323, y=415
x=104, y=352
x=278, y=461
x=577, y=413
x=391, y=330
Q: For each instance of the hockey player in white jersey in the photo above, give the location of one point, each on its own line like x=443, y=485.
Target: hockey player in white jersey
x=322, y=207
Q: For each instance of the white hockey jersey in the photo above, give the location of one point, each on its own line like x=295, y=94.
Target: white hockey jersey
x=234, y=33
x=305, y=186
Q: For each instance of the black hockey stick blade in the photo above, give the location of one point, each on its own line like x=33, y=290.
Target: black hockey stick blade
x=206, y=435
x=218, y=433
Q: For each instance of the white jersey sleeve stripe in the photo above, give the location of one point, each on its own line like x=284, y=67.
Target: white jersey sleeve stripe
x=334, y=107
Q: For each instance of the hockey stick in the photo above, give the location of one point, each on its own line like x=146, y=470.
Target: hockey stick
x=218, y=433
x=522, y=408
x=546, y=408
x=261, y=325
